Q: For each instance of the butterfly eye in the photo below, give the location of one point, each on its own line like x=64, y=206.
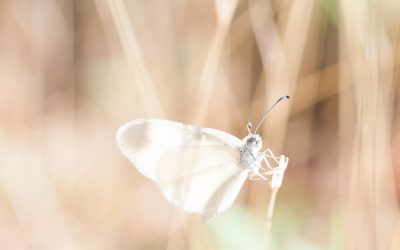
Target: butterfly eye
x=251, y=141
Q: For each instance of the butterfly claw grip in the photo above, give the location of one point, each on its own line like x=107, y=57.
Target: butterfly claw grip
x=276, y=173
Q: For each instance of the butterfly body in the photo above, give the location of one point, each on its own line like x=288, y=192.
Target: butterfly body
x=250, y=155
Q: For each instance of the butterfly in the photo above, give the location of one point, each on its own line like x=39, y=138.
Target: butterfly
x=200, y=170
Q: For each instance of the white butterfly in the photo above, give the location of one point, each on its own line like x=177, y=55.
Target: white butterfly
x=198, y=169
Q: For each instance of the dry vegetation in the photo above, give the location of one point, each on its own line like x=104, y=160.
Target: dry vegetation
x=72, y=72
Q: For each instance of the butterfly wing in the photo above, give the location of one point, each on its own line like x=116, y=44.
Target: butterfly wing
x=196, y=168
x=201, y=179
x=143, y=141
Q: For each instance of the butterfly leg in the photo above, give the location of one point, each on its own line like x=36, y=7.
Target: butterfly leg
x=263, y=156
x=278, y=172
x=272, y=182
x=258, y=177
x=268, y=153
x=262, y=168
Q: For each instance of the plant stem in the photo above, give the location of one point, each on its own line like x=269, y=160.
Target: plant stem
x=270, y=213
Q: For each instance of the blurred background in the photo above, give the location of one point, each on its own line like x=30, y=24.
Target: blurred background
x=72, y=72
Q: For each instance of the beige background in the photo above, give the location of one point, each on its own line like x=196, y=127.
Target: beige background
x=72, y=72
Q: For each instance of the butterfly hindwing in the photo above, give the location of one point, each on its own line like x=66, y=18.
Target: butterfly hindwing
x=201, y=179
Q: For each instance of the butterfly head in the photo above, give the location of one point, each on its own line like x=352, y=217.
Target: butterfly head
x=253, y=142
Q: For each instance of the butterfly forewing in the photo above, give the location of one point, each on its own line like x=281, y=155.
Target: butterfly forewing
x=143, y=141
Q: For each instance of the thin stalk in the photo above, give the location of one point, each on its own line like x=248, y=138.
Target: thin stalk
x=268, y=221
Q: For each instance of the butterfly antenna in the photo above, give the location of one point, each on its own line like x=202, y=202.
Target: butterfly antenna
x=285, y=97
x=249, y=126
